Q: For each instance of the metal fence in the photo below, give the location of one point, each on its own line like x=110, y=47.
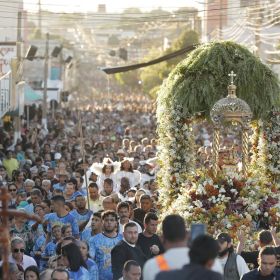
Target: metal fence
x=5, y=93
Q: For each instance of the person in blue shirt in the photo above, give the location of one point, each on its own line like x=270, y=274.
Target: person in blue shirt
x=66, y=230
x=100, y=245
x=62, y=177
x=74, y=262
x=96, y=227
x=61, y=216
x=50, y=249
x=77, y=186
x=91, y=264
x=37, y=228
x=267, y=266
x=37, y=251
x=69, y=191
x=81, y=214
x=36, y=198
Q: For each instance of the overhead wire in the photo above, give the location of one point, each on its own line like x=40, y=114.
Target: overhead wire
x=170, y=20
x=177, y=13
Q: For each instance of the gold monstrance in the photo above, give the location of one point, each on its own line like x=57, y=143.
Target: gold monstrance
x=231, y=109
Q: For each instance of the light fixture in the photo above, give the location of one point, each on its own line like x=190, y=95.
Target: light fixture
x=68, y=59
x=56, y=51
x=31, y=52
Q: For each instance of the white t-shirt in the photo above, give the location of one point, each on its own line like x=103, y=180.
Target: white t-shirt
x=176, y=259
x=242, y=267
x=26, y=261
x=121, y=227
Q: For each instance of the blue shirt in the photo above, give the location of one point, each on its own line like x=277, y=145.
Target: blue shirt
x=53, y=218
x=86, y=235
x=92, y=269
x=81, y=218
x=39, y=243
x=38, y=246
x=100, y=247
x=38, y=232
x=20, y=156
x=29, y=208
x=50, y=249
x=81, y=274
x=59, y=186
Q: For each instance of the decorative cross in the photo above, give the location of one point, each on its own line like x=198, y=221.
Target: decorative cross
x=5, y=212
x=232, y=75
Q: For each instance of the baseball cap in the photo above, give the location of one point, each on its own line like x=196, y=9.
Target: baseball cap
x=224, y=237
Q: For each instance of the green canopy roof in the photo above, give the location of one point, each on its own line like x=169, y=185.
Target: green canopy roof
x=31, y=96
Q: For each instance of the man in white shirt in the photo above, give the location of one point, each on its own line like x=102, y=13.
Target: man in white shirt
x=95, y=200
x=18, y=257
x=234, y=265
x=177, y=252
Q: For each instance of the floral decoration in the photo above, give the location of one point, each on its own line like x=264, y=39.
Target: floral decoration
x=175, y=152
x=272, y=138
x=228, y=203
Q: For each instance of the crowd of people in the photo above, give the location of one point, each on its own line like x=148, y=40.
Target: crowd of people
x=99, y=213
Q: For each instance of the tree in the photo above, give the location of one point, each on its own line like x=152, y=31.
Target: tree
x=129, y=79
x=153, y=76
x=186, y=38
x=159, y=12
x=113, y=41
x=128, y=19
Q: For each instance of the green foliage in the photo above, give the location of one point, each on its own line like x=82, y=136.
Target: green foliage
x=132, y=10
x=129, y=79
x=159, y=12
x=186, y=39
x=36, y=34
x=153, y=76
x=202, y=78
x=113, y=41
x=128, y=20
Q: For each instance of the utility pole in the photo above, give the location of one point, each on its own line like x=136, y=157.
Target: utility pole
x=258, y=29
x=45, y=92
x=221, y=21
x=17, y=134
x=39, y=17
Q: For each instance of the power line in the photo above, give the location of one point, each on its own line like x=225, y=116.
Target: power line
x=132, y=20
x=178, y=13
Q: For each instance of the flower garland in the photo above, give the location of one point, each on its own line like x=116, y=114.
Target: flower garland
x=176, y=152
x=272, y=137
x=228, y=203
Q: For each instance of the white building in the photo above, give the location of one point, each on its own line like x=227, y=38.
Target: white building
x=9, y=20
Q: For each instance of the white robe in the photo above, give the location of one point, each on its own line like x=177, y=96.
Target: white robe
x=133, y=177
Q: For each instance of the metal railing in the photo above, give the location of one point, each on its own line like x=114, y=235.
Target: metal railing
x=5, y=93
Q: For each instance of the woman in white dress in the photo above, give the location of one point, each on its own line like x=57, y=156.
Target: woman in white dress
x=106, y=169
x=126, y=170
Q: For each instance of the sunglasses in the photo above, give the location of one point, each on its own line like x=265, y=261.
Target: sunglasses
x=12, y=190
x=18, y=250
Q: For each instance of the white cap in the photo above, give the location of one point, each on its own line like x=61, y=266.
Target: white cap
x=57, y=156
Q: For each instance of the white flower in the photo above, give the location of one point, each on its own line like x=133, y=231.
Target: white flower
x=248, y=217
x=198, y=203
x=222, y=190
